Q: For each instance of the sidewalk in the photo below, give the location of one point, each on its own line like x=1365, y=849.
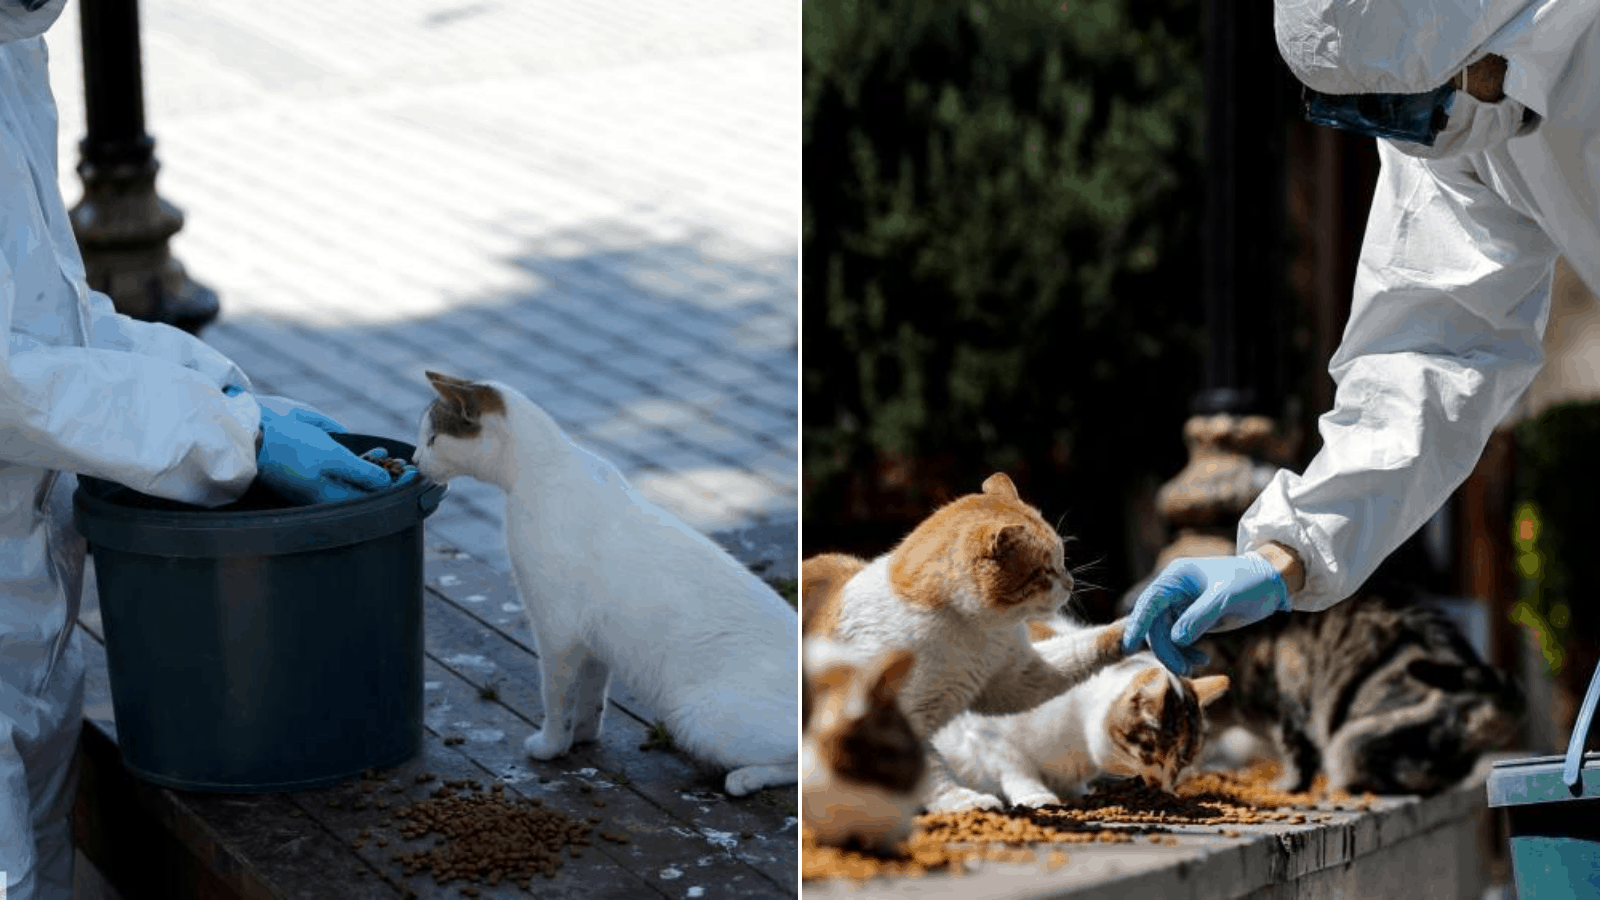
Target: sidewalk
x=597, y=205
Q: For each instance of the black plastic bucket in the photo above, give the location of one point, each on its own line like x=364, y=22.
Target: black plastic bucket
x=1552, y=806
x=260, y=646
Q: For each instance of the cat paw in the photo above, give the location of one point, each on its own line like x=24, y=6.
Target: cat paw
x=1042, y=798
x=748, y=780
x=541, y=747
x=586, y=732
x=961, y=799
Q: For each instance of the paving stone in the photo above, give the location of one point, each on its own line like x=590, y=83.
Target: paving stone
x=584, y=202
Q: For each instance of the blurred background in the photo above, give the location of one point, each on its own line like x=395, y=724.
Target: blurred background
x=1039, y=237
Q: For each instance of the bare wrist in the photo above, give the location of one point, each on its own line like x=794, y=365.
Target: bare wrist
x=1288, y=564
x=1484, y=79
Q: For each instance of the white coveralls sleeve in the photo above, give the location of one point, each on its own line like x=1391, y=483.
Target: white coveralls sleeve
x=84, y=389
x=159, y=424
x=1451, y=300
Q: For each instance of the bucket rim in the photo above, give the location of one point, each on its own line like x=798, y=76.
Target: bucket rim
x=207, y=533
x=208, y=519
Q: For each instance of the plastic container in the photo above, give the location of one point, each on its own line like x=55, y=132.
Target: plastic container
x=260, y=646
x=1552, y=807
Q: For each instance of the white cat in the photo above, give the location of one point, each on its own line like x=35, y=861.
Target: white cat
x=1132, y=718
x=612, y=583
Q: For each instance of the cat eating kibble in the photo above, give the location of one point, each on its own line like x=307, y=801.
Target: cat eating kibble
x=612, y=583
x=957, y=593
x=1133, y=718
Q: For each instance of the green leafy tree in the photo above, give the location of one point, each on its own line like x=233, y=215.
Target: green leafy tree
x=1001, y=251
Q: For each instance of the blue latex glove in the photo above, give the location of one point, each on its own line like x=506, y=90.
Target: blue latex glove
x=302, y=463
x=1199, y=594
x=409, y=475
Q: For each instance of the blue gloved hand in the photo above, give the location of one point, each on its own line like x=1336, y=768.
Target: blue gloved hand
x=302, y=463
x=406, y=477
x=1199, y=594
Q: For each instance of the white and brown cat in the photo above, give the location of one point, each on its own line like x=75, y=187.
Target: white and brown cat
x=862, y=768
x=613, y=584
x=958, y=593
x=1133, y=718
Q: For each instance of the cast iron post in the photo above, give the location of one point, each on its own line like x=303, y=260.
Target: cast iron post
x=1232, y=427
x=122, y=226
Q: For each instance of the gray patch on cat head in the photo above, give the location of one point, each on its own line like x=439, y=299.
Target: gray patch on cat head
x=459, y=409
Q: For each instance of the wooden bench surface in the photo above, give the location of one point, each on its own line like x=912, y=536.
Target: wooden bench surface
x=686, y=838
x=1443, y=846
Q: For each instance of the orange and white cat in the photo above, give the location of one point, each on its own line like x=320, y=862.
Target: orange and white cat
x=612, y=583
x=958, y=593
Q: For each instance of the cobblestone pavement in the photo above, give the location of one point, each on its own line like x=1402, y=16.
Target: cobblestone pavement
x=597, y=204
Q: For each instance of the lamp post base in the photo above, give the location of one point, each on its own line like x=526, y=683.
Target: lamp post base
x=122, y=228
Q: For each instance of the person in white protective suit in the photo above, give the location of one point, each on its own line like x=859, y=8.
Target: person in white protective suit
x=86, y=390
x=1452, y=292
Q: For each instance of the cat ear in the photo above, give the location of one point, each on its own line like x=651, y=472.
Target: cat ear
x=1006, y=540
x=437, y=378
x=1209, y=688
x=470, y=401
x=891, y=676
x=1000, y=485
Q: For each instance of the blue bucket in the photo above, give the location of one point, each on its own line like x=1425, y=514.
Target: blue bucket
x=1552, y=808
x=260, y=646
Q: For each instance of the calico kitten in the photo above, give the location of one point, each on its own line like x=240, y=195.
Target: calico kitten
x=1133, y=718
x=1383, y=695
x=957, y=592
x=863, y=769
x=612, y=583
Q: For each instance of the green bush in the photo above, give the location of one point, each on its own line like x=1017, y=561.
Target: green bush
x=1556, y=533
x=1002, y=264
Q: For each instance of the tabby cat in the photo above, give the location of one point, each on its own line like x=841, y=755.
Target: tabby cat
x=1383, y=695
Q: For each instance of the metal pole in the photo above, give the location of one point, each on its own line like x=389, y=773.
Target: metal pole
x=1242, y=287
x=122, y=226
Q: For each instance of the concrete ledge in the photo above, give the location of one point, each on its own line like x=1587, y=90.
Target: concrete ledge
x=1409, y=847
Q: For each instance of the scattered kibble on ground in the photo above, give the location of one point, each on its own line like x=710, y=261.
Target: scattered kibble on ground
x=1116, y=814
x=489, y=837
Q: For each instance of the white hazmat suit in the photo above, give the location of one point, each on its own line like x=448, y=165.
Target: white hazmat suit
x=1452, y=293
x=83, y=389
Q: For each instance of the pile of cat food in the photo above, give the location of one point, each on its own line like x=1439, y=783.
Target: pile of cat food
x=949, y=841
x=490, y=836
x=393, y=465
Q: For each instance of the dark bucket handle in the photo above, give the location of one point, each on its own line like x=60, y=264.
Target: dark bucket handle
x=1571, y=773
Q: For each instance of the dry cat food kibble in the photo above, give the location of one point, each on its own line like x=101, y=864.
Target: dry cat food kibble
x=951, y=840
x=948, y=841
x=489, y=838
x=391, y=464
